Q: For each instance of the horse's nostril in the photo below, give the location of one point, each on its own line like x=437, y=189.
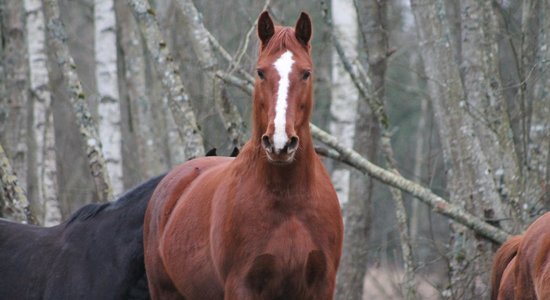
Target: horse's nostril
x=266, y=143
x=293, y=144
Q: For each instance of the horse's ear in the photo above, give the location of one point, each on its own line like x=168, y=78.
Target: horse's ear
x=303, y=29
x=266, y=29
x=235, y=152
x=211, y=152
x=261, y=272
x=316, y=267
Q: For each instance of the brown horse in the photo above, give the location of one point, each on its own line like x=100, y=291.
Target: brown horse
x=532, y=268
x=521, y=270
x=502, y=273
x=265, y=225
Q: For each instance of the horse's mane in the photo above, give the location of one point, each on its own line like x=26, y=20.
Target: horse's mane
x=283, y=38
x=91, y=210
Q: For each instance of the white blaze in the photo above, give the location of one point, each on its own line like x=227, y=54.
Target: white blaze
x=283, y=65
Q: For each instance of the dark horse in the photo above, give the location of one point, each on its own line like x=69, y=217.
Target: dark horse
x=97, y=254
x=265, y=225
x=521, y=268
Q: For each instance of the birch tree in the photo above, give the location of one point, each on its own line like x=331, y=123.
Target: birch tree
x=42, y=122
x=107, y=87
x=343, y=107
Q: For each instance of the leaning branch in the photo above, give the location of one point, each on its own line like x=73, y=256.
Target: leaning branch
x=200, y=40
x=438, y=204
x=179, y=102
x=87, y=125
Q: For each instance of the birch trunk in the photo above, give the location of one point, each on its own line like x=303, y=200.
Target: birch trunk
x=179, y=102
x=344, y=95
x=88, y=128
x=42, y=125
x=107, y=87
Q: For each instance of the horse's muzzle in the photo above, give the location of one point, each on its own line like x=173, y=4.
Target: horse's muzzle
x=281, y=156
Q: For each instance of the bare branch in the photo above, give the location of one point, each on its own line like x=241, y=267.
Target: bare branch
x=438, y=204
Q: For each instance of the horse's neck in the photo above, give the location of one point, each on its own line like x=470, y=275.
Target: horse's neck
x=280, y=177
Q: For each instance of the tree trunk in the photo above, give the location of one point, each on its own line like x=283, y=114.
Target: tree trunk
x=42, y=125
x=539, y=135
x=357, y=213
x=343, y=108
x=178, y=100
x=15, y=205
x=486, y=104
x=88, y=128
x=142, y=105
x=107, y=88
x=15, y=121
x=213, y=89
x=470, y=181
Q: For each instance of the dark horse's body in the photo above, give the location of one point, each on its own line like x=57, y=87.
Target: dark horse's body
x=97, y=254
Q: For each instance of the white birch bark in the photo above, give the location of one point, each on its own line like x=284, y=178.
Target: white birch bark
x=42, y=123
x=107, y=87
x=343, y=108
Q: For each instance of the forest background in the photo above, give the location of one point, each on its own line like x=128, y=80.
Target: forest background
x=450, y=98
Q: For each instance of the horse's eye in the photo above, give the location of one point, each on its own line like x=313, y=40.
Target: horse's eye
x=306, y=75
x=260, y=74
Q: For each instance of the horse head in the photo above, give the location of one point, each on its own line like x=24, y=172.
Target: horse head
x=283, y=87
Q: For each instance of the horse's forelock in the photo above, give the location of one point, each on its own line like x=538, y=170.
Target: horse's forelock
x=284, y=38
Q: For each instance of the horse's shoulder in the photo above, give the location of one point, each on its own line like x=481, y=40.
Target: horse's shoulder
x=177, y=181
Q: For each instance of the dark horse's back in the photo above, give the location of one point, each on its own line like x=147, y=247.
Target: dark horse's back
x=96, y=254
